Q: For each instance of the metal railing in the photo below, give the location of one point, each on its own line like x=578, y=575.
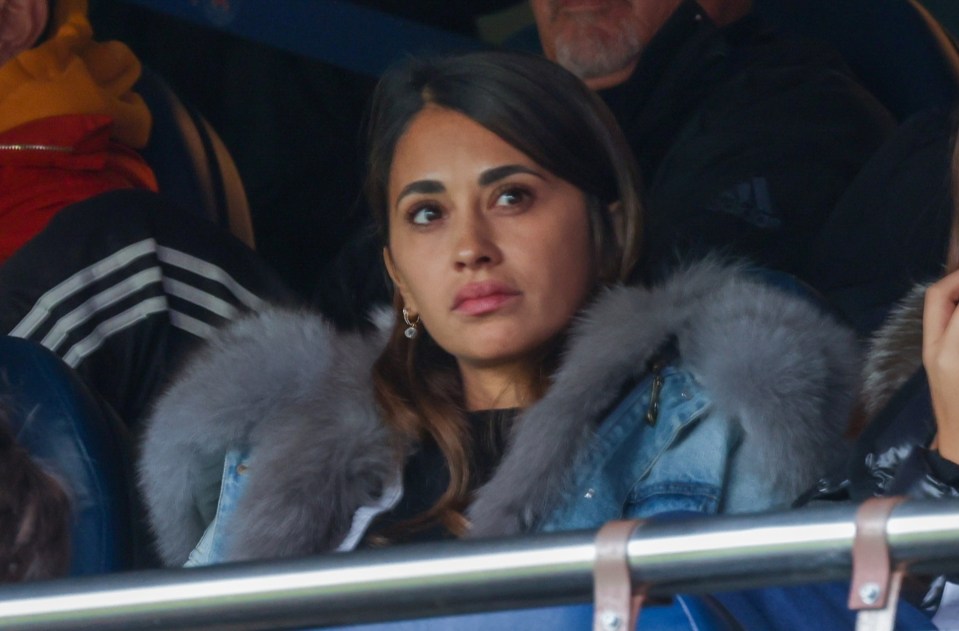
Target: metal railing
x=689, y=555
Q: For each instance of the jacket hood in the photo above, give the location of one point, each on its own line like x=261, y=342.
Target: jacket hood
x=302, y=394
x=895, y=351
x=72, y=74
x=66, y=10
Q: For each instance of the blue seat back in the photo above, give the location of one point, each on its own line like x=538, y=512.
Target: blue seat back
x=819, y=606
x=70, y=433
x=685, y=613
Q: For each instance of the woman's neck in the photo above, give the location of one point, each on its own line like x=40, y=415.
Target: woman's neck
x=496, y=387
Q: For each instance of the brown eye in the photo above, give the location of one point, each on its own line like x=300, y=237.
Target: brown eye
x=512, y=197
x=424, y=215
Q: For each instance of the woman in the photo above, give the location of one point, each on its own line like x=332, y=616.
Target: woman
x=514, y=386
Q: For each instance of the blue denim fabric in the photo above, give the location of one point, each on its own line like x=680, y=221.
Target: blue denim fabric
x=635, y=469
x=685, y=461
x=233, y=483
x=212, y=547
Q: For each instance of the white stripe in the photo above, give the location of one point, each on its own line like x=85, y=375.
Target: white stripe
x=81, y=350
x=48, y=301
x=42, y=310
x=104, y=299
x=191, y=325
x=689, y=615
x=200, y=298
x=117, y=323
x=947, y=615
x=364, y=515
x=210, y=271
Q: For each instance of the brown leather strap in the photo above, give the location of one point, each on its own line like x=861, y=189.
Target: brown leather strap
x=882, y=619
x=616, y=606
x=871, y=562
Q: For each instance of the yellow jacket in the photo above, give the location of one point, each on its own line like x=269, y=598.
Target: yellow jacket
x=71, y=74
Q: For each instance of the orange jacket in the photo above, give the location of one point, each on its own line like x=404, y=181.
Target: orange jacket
x=72, y=74
x=70, y=125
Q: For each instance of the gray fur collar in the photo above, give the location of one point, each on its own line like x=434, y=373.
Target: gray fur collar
x=895, y=351
x=286, y=383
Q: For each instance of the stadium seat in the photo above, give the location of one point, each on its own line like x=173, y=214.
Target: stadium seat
x=83, y=444
x=685, y=613
x=194, y=169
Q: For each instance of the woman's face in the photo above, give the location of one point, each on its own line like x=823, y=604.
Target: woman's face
x=491, y=250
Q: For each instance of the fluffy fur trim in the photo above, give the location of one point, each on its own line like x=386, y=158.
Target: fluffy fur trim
x=895, y=351
x=777, y=363
x=287, y=383
x=302, y=395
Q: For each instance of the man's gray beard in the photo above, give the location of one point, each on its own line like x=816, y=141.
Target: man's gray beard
x=590, y=57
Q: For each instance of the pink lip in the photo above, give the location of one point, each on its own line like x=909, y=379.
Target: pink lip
x=484, y=297
x=574, y=6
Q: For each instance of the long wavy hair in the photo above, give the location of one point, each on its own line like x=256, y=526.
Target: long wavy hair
x=552, y=117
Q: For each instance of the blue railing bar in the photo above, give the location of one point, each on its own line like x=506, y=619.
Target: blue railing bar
x=692, y=555
x=341, y=33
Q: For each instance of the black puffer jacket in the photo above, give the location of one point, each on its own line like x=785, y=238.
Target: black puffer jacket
x=892, y=457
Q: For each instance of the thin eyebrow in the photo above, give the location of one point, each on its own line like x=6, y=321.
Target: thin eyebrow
x=423, y=187
x=498, y=173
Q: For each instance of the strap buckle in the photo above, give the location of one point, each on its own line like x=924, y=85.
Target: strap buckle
x=617, y=602
x=874, y=590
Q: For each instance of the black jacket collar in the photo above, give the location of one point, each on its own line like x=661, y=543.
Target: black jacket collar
x=686, y=58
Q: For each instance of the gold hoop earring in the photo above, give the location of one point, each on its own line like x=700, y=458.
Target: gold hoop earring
x=410, y=331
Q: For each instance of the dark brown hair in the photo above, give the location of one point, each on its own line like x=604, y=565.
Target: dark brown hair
x=34, y=515
x=551, y=116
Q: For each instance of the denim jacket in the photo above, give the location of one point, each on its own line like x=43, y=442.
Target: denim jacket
x=274, y=429
x=679, y=460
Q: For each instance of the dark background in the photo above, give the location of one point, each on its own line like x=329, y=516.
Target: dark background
x=292, y=124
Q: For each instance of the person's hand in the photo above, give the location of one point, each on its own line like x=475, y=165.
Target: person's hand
x=940, y=356
x=21, y=24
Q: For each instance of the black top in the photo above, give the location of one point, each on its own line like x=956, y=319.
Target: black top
x=426, y=475
x=730, y=127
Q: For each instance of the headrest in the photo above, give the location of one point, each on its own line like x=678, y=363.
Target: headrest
x=81, y=443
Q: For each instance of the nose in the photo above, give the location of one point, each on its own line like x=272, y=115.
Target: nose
x=475, y=245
